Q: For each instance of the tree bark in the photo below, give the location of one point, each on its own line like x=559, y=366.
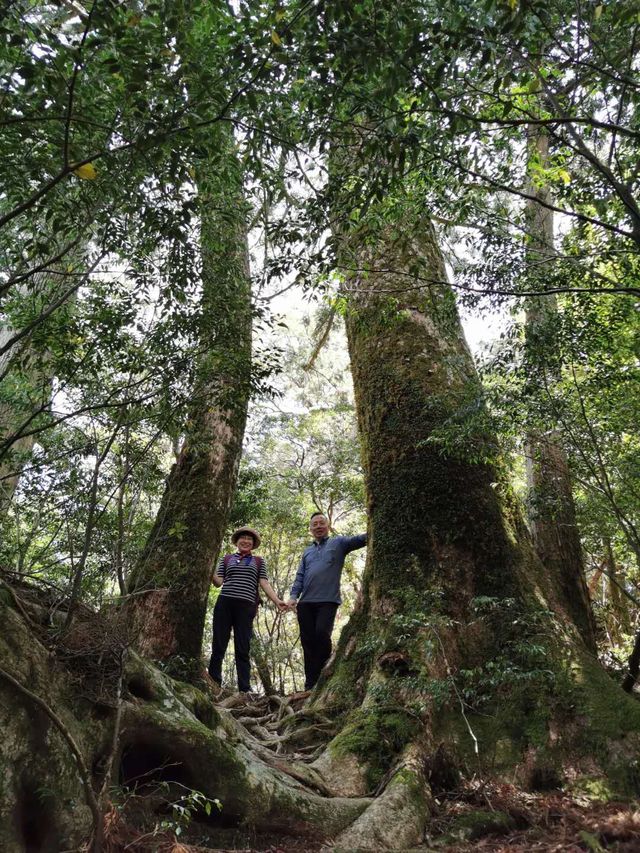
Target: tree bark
x=551, y=509
x=262, y=666
x=168, y=589
x=633, y=667
x=619, y=604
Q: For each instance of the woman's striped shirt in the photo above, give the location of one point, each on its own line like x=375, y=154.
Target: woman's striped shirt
x=240, y=576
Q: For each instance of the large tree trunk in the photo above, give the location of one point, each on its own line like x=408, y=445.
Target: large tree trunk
x=168, y=590
x=551, y=508
x=465, y=651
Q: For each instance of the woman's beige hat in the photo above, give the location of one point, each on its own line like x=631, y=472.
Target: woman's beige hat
x=238, y=533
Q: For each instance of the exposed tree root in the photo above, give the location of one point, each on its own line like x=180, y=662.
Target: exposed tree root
x=224, y=759
x=271, y=762
x=397, y=819
x=172, y=739
x=344, y=775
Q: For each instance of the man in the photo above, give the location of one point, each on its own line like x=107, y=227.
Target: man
x=315, y=594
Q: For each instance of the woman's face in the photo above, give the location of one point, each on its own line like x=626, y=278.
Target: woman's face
x=245, y=543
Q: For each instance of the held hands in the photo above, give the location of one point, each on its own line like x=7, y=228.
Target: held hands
x=285, y=606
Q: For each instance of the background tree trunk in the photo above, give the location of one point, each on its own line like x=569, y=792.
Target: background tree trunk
x=168, y=589
x=619, y=603
x=551, y=509
x=262, y=666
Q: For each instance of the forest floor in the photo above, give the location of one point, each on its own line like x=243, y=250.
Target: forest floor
x=550, y=822
x=545, y=823
x=480, y=815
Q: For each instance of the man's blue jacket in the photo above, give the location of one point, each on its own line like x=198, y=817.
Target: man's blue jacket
x=320, y=569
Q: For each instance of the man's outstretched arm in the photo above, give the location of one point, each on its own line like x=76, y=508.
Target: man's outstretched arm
x=352, y=543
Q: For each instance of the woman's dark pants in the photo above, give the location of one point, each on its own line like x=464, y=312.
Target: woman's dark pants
x=316, y=624
x=238, y=614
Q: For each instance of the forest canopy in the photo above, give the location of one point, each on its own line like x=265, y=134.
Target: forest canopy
x=176, y=180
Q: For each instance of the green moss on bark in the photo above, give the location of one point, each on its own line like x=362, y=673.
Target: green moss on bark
x=555, y=728
x=376, y=736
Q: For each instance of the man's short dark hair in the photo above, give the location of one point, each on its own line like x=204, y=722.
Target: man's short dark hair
x=313, y=515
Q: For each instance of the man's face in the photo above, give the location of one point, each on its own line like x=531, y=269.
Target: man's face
x=319, y=526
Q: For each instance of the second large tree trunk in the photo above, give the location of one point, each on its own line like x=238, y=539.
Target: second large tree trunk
x=168, y=590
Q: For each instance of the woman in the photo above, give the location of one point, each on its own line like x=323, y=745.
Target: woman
x=239, y=575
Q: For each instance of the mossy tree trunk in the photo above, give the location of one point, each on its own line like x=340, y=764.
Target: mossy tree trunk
x=463, y=641
x=551, y=509
x=169, y=587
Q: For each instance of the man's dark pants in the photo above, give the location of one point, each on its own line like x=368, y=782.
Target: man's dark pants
x=238, y=614
x=316, y=624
